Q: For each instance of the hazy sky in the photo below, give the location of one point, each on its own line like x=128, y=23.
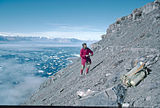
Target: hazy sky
x=82, y=19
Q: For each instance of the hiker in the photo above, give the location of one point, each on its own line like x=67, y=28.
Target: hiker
x=85, y=54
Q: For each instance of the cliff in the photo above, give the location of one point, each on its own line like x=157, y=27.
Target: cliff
x=129, y=38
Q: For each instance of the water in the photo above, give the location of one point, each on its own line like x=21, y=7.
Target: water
x=23, y=67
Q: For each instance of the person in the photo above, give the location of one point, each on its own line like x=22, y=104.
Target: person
x=85, y=54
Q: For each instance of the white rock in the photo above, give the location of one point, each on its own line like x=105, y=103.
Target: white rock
x=83, y=93
x=148, y=98
x=125, y=105
x=108, y=74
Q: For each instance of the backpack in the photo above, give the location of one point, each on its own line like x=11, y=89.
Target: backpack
x=135, y=75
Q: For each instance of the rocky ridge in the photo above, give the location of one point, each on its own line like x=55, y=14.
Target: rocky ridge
x=130, y=37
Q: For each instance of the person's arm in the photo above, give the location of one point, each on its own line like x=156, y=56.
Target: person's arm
x=81, y=54
x=91, y=52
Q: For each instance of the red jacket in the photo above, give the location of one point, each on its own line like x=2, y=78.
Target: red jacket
x=83, y=53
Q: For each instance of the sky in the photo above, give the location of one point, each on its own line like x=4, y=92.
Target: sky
x=81, y=19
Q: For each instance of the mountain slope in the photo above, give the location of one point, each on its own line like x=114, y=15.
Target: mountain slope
x=130, y=37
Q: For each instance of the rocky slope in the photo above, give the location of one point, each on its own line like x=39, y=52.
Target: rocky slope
x=130, y=37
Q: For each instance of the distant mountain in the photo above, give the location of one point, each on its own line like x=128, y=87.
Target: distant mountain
x=65, y=40
x=15, y=38
x=42, y=39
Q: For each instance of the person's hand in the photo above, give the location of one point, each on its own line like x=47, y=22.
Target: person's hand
x=90, y=54
x=87, y=55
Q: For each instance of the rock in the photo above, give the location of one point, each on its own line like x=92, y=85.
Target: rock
x=125, y=105
x=108, y=74
x=157, y=17
x=100, y=99
x=157, y=1
x=130, y=16
x=137, y=13
x=96, y=47
x=118, y=21
x=151, y=59
x=117, y=63
x=148, y=98
x=150, y=7
x=120, y=91
x=111, y=94
x=103, y=36
x=83, y=93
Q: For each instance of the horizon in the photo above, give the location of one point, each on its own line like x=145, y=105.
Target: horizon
x=80, y=19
